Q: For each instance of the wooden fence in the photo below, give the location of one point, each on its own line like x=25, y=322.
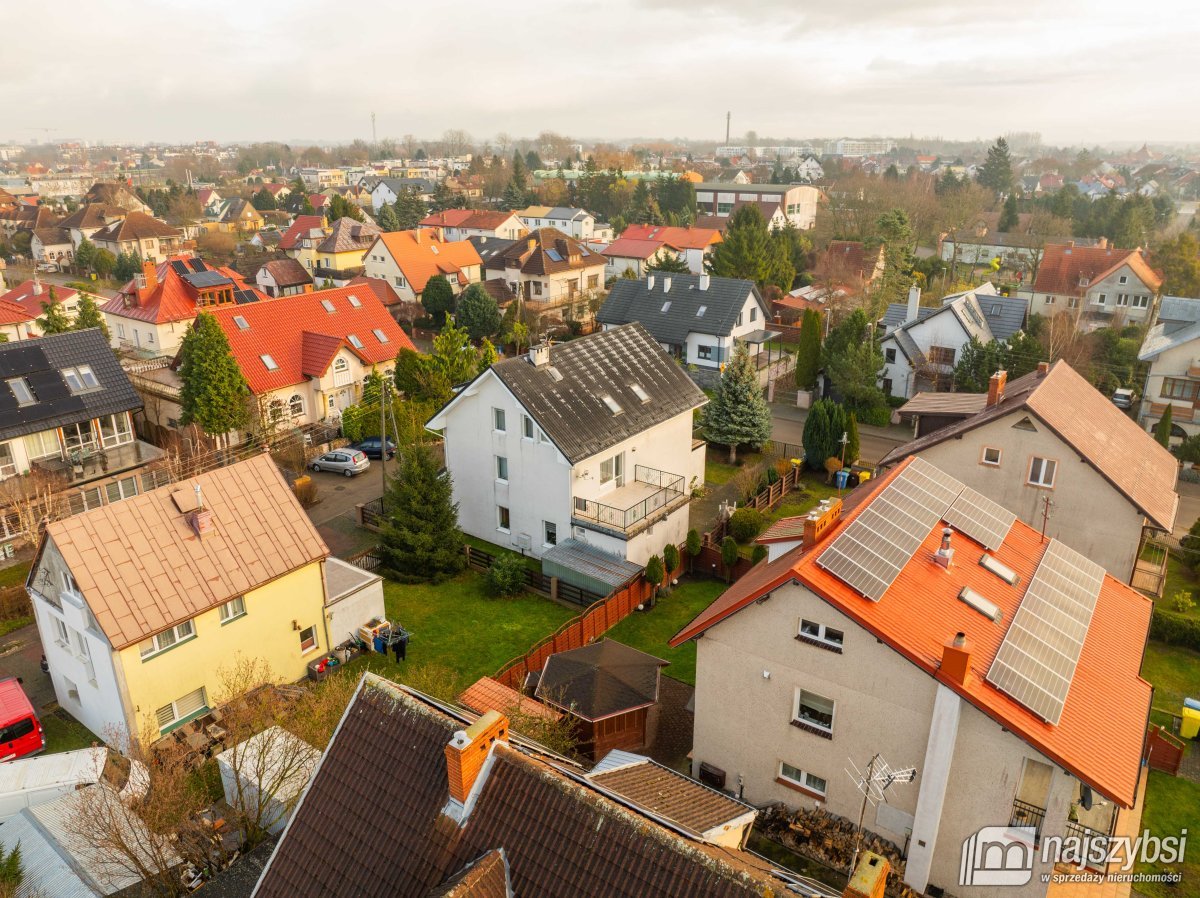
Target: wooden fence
x=1163, y=751
x=536, y=581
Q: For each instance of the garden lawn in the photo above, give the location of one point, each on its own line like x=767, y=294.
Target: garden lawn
x=649, y=631
x=458, y=625
x=14, y=574
x=1172, y=805
x=65, y=733
x=717, y=473
x=1175, y=673
x=492, y=549
x=1180, y=579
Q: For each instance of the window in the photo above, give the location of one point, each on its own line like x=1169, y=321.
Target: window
x=269, y=362
x=166, y=639
x=1178, y=388
x=121, y=489
x=326, y=304
x=20, y=389
x=611, y=404
x=613, y=469
x=1102, y=299
x=502, y=518
x=889, y=355
x=185, y=708
x=242, y=323
x=1049, y=300
x=807, y=781
x=80, y=378
x=232, y=610
x=819, y=634
x=1041, y=471
x=399, y=281
x=296, y=405
x=700, y=313
x=498, y=420
x=1123, y=279
x=724, y=208
x=527, y=427
x=941, y=355
x=537, y=288
x=991, y=456
x=641, y=394
x=593, y=281
x=308, y=639
x=754, y=313
x=120, y=330
x=501, y=468
x=814, y=713
x=1072, y=302
x=738, y=323
x=149, y=336
x=1122, y=299
x=704, y=352
x=354, y=341
x=8, y=464
x=115, y=430
x=551, y=533
x=666, y=307
x=61, y=634
x=79, y=437
x=355, y=302
x=1141, y=301
x=275, y=410
x=380, y=336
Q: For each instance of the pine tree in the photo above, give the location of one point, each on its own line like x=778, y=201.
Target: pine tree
x=1162, y=430
x=54, y=318
x=823, y=429
x=88, y=314
x=264, y=201
x=668, y=263
x=738, y=413
x=340, y=207
x=437, y=298
x=215, y=394
x=421, y=540
x=747, y=250
x=409, y=210
x=808, y=353
x=996, y=172
x=1009, y=219
x=85, y=254
x=478, y=313
x=386, y=218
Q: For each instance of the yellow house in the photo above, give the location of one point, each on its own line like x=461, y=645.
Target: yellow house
x=146, y=606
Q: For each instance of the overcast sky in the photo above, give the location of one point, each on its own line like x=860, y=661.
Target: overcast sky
x=174, y=70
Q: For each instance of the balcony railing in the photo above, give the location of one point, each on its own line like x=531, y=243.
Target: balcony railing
x=338, y=274
x=1026, y=814
x=92, y=463
x=651, y=491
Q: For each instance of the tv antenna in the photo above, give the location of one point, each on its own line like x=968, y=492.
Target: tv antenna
x=873, y=784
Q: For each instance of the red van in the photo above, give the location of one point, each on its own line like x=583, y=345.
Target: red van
x=21, y=733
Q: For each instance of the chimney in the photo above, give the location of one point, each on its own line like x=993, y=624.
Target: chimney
x=150, y=272
x=820, y=520
x=1102, y=243
x=37, y=283
x=996, y=387
x=540, y=355
x=705, y=280
x=869, y=878
x=532, y=243
x=956, y=659
x=1043, y=369
x=202, y=518
x=914, y=302
x=666, y=285
x=467, y=751
x=945, y=554
x=650, y=282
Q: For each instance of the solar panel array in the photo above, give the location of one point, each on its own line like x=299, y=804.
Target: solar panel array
x=1036, y=661
x=980, y=518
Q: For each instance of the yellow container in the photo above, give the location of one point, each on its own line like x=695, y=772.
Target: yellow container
x=864, y=476
x=1190, y=725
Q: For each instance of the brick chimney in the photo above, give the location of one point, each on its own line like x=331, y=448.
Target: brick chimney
x=996, y=387
x=870, y=877
x=202, y=518
x=956, y=659
x=820, y=520
x=1102, y=243
x=1043, y=368
x=469, y=749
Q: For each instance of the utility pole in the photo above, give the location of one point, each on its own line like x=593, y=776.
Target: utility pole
x=1046, y=503
x=374, y=141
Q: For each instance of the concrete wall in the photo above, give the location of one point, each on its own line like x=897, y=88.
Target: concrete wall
x=1111, y=290
x=1088, y=513
x=350, y=612
x=161, y=339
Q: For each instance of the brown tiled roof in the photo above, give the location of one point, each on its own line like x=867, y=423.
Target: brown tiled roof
x=53, y=236
x=487, y=694
x=141, y=567
x=486, y=877
x=93, y=215
x=784, y=530
x=349, y=235
x=1107, y=439
x=945, y=404
x=114, y=193
x=672, y=796
x=1065, y=264
x=383, y=291
x=135, y=226
x=498, y=289
x=371, y=822
x=288, y=272
x=600, y=680
x=531, y=254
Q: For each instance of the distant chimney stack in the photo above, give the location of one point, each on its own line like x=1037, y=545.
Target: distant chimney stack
x=37, y=283
x=705, y=280
x=540, y=355
x=150, y=273
x=468, y=750
x=945, y=553
x=914, y=303
x=996, y=387
x=1102, y=243
x=666, y=285
x=956, y=659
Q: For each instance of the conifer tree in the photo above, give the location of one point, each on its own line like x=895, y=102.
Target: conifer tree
x=88, y=314
x=808, y=353
x=748, y=251
x=1162, y=430
x=996, y=172
x=387, y=218
x=739, y=412
x=54, y=318
x=215, y=394
x=421, y=540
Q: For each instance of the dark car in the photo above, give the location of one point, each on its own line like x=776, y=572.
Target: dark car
x=371, y=446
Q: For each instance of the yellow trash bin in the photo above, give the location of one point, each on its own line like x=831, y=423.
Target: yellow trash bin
x=1190, y=725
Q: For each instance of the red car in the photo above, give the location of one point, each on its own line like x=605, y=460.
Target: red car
x=21, y=732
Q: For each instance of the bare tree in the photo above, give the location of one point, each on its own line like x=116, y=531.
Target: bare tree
x=455, y=142
x=32, y=500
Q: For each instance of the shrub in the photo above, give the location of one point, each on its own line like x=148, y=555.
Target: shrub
x=745, y=524
x=875, y=416
x=692, y=544
x=1189, y=546
x=729, y=555
x=671, y=558
x=654, y=571
x=759, y=553
x=1175, y=629
x=506, y=576
x=1183, y=602
x=772, y=476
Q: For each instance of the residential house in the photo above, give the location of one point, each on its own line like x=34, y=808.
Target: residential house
x=780, y=203
x=1172, y=349
x=67, y=411
x=693, y=245
x=577, y=223
x=463, y=224
x=476, y=810
x=88, y=219
x=849, y=265
x=1098, y=286
x=982, y=241
x=141, y=235
x=588, y=441
x=116, y=193
x=832, y=656
x=239, y=216
x=406, y=260
x=283, y=277
x=697, y=318
x=143, y=604
x=321, y=178
x=385, y=191
x=21, y=307
x=922, y=344
x=630, y=257
x=549, y=268
x=151, y=314
x=808, y=170
x=25, y=218
x=210, y=201
x=302, y=227
x=52, y=245
x=1060, y=455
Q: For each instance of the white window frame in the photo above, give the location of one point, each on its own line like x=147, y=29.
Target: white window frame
x=801, y=778
x=36, y=444
x=502, y=468
x=1140, y=301
x=8, y=460
x=499, y=420
x=80, y=378
x=528, y=430
x=1123, y=279
x=316, y=641
x=232, y=610
x=826, y=729
x=122, y=430
x=180, y=633
x=549, y=529
x=174, y=709
x=990, y=462
x=62, y=635
x=19, y=386
x=296, y=405
x=811, y=630
x=1042, y=465
x=502, y=512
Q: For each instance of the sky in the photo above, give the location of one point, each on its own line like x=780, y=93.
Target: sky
x=175, y=70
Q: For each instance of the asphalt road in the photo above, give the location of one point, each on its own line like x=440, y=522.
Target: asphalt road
x=338, y=494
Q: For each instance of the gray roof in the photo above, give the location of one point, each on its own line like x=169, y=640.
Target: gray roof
x=600, y=679
x=670, y=315
x=566, y=213
x=593, y=562
x=897, y=312
x=489, y=246
x=1178, y=322
x=747, y=188
x=572, y=411
x=1179, y=309
x=983, y=314
x=41, y=362
x=343, y=579
x=420, y=185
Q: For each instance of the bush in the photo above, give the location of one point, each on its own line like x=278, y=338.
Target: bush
x=506, y=576
x=671, y=558
x=654, y=571
x=758, y=554
x=772, y=476
x=1183, y=602
x=306, y=491
x=745, y=524
x=876, y=416
x=1175, y=629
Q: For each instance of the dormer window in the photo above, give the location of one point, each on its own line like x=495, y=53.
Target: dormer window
x=20, y=388
x=80, y=378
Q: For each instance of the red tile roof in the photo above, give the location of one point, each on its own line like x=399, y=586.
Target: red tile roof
x=1064, y=264
x=135, y=226
x=302, y=337
x=675, y=237
x=486, y=694
x=381, y=288
x=23, y=297
x=1100, y=734
x=300, y=228
x=630, y=248
x=449, y=218
x=171, y=299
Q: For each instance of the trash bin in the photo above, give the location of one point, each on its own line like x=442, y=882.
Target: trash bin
x=841, y=478
x=1189, y=727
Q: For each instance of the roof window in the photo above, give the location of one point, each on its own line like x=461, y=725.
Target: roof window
x=554, y=373
x=270, y=363
x=380, y=336
x=354, y=341
x=1003, y=571
x=20, y=389
x=327, y=306
x=612, y=404
x=80, y=378
x=355, y=301
x=242, y=323
x=641, y=394
x=700, y=311
x=666, y=306
x=988, y=609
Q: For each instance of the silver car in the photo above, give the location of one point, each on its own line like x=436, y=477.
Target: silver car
x=345, y=461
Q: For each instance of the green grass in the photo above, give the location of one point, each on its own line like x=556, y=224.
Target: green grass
x=1179, y=579
x=492, y=549
x=1175, y=673
x=650, y=630
x=14, y=574
x=65, y=733
x=16, y=623
x=1172, y=804
x=457, y=625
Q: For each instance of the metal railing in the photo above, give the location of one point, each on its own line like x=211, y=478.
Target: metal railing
x=1026, y=814
x=670, y=488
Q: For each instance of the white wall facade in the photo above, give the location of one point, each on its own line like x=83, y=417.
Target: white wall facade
x=941, y=330
x=132, y=333
x=1175, y=363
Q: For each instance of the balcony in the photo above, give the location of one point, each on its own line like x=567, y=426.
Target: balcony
x=632, y=507
x=1025, y=814
x=80, y=466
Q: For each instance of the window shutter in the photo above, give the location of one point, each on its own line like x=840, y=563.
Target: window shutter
x=190, y=703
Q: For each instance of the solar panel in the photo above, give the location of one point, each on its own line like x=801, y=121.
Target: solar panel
x=241, y=297
x=179, y=266
x=980, y=518
x=1036, y=662
x=205, y=278
x=198, y=265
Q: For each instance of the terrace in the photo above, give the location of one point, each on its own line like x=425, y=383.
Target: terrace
x=629, y=508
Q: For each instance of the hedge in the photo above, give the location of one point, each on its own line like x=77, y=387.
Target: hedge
x=1175, y=629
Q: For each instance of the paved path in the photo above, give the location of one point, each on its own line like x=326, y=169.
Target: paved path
x=874, y=442
x=1189, y=506
x=21, y=656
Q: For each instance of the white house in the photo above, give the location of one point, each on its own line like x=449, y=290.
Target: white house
x=1098, y=286
x=923, y=344
x=794, y=203
x=695, y=317
x=809, y=170
x=577, y=223
x=588, y=441
x=463, y=224
x=1172, y=347
x=385, y=191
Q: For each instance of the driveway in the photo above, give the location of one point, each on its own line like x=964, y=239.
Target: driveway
x=335, y=515
x=1189, y=506
x=21, y=656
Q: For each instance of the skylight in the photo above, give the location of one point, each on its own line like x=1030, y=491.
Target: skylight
x=355, y=301
x=327, y=305
x=242, y=323
x=666, y=306
x=554, y=373
x=612, y=404
x=639, y=392
x=80, y=378
x=269, y=362
x=354, y=341
x=21, y=390
x=988, y=609
x=700, y=311
x=380, y=336
x=1003, y=571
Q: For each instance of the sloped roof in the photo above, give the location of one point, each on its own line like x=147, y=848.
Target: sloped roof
x=92, y=215
x=487, y=247
x=173, y=297
x=546, y=251
x=421, y=254
x=302, y=337
x=23, y=295
x=1064, y=264
x=945, y=404
x=301, y=227
x=920, y=611
x=383, y=291
x=447, y=218
x=389, y=753
x=599, y=680
x=487, y=694
x=670, y=315
x=287, y=272
x=1107, y=439
x=485, y=877
x=135, y=226
x=897, y=312
x=53, y=236
x=141, y=567
x=631, y=248
x=675, y=237
x=349, y=235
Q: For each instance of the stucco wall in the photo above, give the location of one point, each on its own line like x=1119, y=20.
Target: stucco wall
x=1173, y=362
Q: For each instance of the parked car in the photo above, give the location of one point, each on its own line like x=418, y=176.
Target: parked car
x=1122, y=398
x=371, y=447
x=344, y=461
x=47, y=266
x=21, y=732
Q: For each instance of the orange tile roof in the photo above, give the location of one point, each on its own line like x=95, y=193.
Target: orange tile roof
x=300, y=227
x=421, y=255
x=302, y=337
x=171, y=299
x=135, y=226
x=486, y=694
x=674, y=237
x=1063, y=264
x=449, y=218
x=1100, y=734
x=141, y=567
x=632, y=248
